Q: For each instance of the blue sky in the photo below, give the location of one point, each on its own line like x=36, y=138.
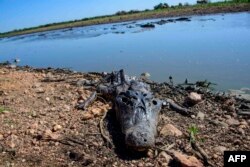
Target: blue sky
x=16, y=14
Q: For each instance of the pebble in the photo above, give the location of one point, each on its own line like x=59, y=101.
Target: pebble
x=86, y=116
x=170, y=130
x=193, y=98
x=187, y=161
x=66, y=108
x=140, y=164
x=57, y=128
x=150, y=153
x=241, y=131
x=193, y=116
x=40, y=90
x=220, y=149
x=232, y=121
x=1, y=137
x=201, y=115
x=47, y=99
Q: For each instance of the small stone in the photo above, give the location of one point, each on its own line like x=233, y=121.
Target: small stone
x=40, y=90
x=220, y=149
x=170, y=130
x=166, y=157
x=86, y=116
x=193, y=98
x=193, y=116
x=57, y=128
x=34, y=114
x=140, y=164
x=232, y=121
x=48, y=134
x=1, y=137
x=215, y=156
x=150, y=153
x=244, y=123
x=228, y=116
x=66, y=108
x=47, y=99
x=241, y=131
x=187, y=161
x=34, y=125
x=98, y=111
x=32, y=131
x=201, y=115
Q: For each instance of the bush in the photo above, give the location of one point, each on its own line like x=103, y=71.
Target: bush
x=161, y=6
x=180, y=5
x=121, y=13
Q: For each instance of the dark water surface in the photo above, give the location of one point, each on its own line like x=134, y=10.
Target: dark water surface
x=212, y=47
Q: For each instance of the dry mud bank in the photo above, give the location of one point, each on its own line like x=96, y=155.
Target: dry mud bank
x=40, y=125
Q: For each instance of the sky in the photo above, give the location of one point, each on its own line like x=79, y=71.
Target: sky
x=16, y=14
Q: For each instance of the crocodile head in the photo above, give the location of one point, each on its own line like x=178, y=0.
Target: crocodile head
x=137, y=111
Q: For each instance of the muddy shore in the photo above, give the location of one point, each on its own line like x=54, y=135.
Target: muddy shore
x=183, y=11
x=40, y=125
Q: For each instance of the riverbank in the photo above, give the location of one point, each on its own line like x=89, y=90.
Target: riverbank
x=212, y=8
x=40, y=125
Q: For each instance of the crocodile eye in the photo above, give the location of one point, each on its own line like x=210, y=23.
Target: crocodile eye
x=154, y=102
x=124, y=99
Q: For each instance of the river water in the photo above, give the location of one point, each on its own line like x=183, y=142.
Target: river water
x=212, y=47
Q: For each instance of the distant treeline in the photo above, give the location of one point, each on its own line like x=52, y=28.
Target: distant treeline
x=160, y=6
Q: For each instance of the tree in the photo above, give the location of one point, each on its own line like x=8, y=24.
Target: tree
x=161, y=6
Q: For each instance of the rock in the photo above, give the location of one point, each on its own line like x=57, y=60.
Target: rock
x=47, y=99
x=40, y=90
x=48, y=134
x=227, y=116
x=193, y=98
x=97, y=111
x=1, y=137
x=193, y=116
x=166, y=157
x=241, y=131
x=201, y=115
x=170, y=130
x=57, y=128
x=187, y=161
x=87, y=116
x=140, y=164
x=232, y=121
x=66, y=108
x=244, y=123
x=220, y=149
x=150, y=153
x=12, y=141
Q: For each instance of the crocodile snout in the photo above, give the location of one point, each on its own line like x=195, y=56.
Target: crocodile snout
x=140, y=138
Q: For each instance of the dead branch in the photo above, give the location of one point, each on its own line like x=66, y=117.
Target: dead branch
x=177, y=108
x=101, y=126
x=203, y=154
x=87, y=102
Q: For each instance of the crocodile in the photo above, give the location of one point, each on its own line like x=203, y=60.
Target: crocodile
x=136, y=108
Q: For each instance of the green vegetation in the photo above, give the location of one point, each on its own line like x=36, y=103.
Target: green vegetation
x=161, y=6
x=161, y=9
x=193, y=131
x=3, y=109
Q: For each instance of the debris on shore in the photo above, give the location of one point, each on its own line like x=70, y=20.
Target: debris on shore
x=40, y=125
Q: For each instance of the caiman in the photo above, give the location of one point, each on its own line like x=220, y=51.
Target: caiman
x=136, y=108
